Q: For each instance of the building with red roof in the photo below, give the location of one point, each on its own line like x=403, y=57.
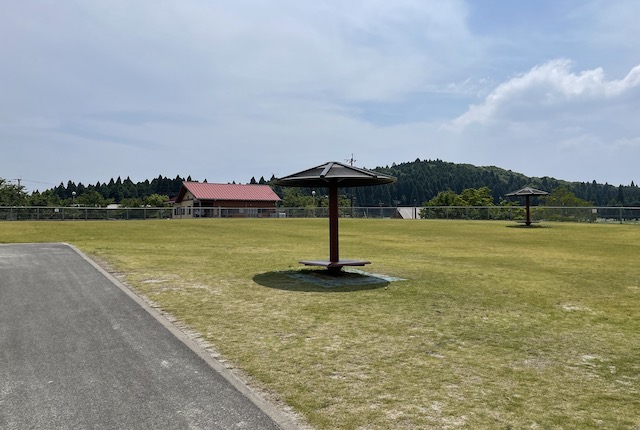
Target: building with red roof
x=202, y=199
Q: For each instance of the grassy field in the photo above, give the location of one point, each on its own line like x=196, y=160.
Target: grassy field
x=495, y=327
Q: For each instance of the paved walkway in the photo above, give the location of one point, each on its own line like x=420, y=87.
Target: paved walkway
x=78, y=351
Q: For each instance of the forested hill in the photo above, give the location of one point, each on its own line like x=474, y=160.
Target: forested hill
x=418, y=181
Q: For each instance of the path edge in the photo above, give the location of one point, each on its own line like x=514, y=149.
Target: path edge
x=280, y=418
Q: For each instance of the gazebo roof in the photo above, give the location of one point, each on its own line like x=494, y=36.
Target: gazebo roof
x=527, y=191
x=334, y=173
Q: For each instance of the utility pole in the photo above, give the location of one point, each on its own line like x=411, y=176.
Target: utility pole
x=351, y=161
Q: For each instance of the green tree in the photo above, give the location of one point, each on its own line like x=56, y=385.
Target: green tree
x=446, y=198
x=131, y=203
x=443, y=198
x=477, y=197
x=468, y=197
x=297, y=198
x=619, y=200
x=45, y=198
x=91, y=198
x=12, y=194
x=157, y=200
x=294, y=198
x=562, y=196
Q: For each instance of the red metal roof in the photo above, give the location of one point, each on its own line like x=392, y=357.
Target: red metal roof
x=207, y=191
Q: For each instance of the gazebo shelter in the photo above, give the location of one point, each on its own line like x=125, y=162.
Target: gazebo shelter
x=527, y=193
x=333, y=175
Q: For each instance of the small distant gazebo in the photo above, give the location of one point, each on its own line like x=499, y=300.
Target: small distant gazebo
x=333, y=175
x=527, y=192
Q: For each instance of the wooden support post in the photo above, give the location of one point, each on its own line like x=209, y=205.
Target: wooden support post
x=334, y=253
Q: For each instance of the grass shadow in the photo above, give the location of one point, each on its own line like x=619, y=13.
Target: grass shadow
x=320, y=281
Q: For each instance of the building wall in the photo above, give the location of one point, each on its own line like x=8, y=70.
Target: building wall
x=184, y=209
x=190, y=208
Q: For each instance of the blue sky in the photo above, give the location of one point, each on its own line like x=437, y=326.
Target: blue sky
x=227, y=90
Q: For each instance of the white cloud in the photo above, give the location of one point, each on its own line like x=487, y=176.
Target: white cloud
x=548, y=87
x=556, y=122
x=231, y=89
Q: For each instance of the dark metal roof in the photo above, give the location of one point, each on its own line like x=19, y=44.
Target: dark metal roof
x=208, y=191
x=526, y=191
x=334, y=173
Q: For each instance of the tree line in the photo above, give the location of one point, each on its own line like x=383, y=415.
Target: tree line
x=125, y=193
x=418, y=182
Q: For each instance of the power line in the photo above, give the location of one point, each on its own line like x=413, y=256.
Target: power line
x=29, y=180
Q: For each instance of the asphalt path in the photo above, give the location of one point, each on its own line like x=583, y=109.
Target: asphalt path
x=79, y=351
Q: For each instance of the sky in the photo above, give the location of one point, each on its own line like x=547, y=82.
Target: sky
x=226, y=90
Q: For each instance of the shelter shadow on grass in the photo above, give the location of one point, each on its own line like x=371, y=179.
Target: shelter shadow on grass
x=522, y=225
x=321, y=281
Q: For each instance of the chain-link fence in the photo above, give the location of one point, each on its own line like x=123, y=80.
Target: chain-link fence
x=81, y=213
x=510, y=213
x=537, y=213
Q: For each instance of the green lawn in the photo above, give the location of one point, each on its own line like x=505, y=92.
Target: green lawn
x=495, y=327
